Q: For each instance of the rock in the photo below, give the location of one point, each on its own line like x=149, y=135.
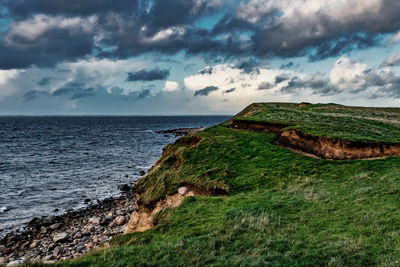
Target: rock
x=94, y=220
x=125, y=188
x=79, y=249
x=48, y=221
x=89, y=245
x=141, y=173
x=15, y=263
x=43, y=230
x=2, y=248
x=57, y=251
x=78, y=235
x=60, y=237
x=2, y=260
x=183, y=190
x=87, y=200
x=34, y=244
x=120, y=220
x=55, y=226
x=48, y=258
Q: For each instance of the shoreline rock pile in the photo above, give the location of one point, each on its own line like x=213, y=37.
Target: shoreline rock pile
x=180, y=131
x=70, y=235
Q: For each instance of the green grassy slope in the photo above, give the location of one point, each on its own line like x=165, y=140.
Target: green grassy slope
x=331, y=120
x=284, y=209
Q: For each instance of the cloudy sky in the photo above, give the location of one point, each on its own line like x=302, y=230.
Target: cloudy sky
x=195, y=56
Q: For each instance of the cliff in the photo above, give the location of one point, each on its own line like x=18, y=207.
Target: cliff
x=242, y=195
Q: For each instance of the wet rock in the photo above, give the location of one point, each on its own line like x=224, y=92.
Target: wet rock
x=43, y=230
x=15, y=263
x=142, y=173
x=94, y=220
x=48, y=258
x=78, y=235
x=125, y=188
x=55, y=226
x=183, y=190
x=57, y=251
x=60, y=237
x=87, y=200
x=34, y=244
x=120, y=220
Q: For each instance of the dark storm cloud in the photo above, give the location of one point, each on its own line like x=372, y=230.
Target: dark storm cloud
x=56, y=45
x=140, y=94
x=248, y=66
x=74, y=91
x=317, y=83
x=206, y=91
x=229, y=90
x=281, y=78
x=265, y=86
x=44, y=81
x=206, y=70
x=128, y=28
x=24, y=8
x=286, y=66
x=33, y=94
x=148, y=75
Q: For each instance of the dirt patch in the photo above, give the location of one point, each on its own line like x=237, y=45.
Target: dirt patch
x=265, y=127
x=320, y=146
x=142, y=218
x=188, y=141
x=303, y=104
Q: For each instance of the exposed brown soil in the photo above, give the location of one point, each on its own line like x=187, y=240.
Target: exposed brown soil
x=320, y=146
x=142, y=218
x=189, y=141
x=303, y=104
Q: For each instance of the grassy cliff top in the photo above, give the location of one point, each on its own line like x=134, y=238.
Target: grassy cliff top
x=331, y=120
x=283, y=208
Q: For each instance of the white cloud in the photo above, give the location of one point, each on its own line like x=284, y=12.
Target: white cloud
x=170, y=86
x=347, y=74
x=395, y=38
x=33, y=28
x=245, y=86
x=393, y=60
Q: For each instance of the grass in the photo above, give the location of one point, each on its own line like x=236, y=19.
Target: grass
x=331, y=120
x=283, y=209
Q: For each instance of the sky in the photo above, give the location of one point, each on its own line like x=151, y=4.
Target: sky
x=176, y=57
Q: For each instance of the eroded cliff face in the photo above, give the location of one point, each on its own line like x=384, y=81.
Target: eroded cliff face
x=142, y=218
x=320, y=146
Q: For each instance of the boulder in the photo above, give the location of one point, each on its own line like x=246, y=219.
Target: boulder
x=60, y=237
x=183, y=190
x=120, y=220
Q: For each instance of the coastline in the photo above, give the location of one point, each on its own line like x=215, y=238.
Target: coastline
x=76, y=232
x=71, y=234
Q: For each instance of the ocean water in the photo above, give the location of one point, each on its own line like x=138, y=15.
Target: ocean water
x=49, y=163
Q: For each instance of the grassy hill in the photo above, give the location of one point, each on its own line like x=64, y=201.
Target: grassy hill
x=282, y=208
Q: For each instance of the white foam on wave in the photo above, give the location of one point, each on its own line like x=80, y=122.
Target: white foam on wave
x=3, y=209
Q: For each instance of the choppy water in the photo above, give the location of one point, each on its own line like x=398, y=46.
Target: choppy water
x=49, y=163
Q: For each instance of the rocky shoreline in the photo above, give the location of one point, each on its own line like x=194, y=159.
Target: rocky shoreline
x=180, y=131
x=76, y=232
x=69, y=235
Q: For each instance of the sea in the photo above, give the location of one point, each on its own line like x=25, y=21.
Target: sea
x=51, y=164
